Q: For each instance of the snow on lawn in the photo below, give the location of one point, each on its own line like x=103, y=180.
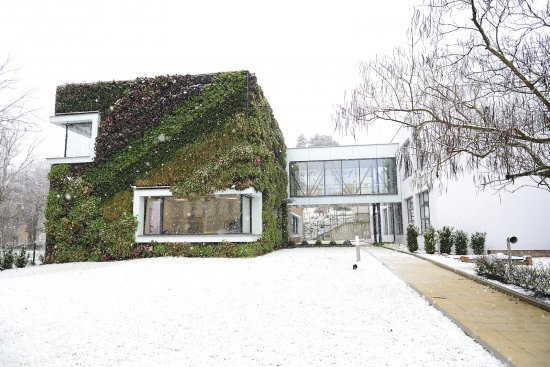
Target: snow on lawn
x=299, y=307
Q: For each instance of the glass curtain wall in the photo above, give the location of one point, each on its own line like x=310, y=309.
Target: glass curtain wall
x=343, y=177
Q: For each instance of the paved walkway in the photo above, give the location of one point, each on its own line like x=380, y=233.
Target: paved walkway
x=516, y=330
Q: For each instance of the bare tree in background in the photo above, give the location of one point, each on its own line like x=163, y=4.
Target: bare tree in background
x=317, y=140
x=472, y=85
x=16, y=145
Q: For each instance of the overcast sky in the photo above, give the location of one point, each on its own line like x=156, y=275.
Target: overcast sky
x=305, y=53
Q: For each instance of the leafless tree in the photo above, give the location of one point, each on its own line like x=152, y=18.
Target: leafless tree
x=317, y=140
x=16, y=143
x=473, y=86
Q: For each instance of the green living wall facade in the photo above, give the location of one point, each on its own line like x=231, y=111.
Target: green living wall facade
x=196, y=134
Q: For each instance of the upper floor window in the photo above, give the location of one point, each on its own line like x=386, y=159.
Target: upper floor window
x=343, y=177
x=405, y=159
x=80, y=134
x=78, y=140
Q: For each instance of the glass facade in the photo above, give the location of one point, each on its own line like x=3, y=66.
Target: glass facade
x=221, y=214
x=343, y=177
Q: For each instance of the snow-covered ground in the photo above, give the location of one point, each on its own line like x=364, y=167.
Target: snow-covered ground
x=296, y=307
x=454, y=262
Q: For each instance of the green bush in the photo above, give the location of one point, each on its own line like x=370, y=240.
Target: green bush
x=412, y=238
x=446, y=240
x=318, y=243
x=429, y=240
x=332, y=243
x=8, y=258
x=477, y=243
x=460, y=239
x=347, y=243
x=304, y=243
x=534, y=278
x=22, y=258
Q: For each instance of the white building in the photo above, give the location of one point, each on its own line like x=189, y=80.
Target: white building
x=368, y=175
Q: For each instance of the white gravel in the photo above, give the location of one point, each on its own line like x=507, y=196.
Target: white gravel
x=300, y=307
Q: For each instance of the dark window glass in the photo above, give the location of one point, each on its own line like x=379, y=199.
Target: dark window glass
x=214, y=215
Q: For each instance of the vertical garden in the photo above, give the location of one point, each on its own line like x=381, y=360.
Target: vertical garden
x=196, y=134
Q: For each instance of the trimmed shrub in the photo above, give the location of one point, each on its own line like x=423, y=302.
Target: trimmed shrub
x=446, y=240
x=318, y=243
x=460, y=239
x=304, y=243
x=534, y=278
x=347, y=243
x=429, y=240
x=8, y=258
x=22, y=258
x=332, y=243
x=477, y=243
x=412, y=238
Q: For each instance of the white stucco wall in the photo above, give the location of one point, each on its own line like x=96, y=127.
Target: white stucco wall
x=524, y=213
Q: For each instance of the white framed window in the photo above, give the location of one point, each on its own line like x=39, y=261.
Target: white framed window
x=229, y=215
x=424, y=203
x=405, y=159
x=296, y=225
x=409, y=206
x=80, y=131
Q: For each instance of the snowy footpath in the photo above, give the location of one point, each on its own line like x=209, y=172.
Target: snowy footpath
x=298, y=307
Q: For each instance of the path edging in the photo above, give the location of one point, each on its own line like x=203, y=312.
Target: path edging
x=527, y=299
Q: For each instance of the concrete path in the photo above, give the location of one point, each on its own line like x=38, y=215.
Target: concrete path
x=517, y=331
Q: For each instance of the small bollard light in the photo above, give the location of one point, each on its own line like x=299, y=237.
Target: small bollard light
x=357, y=250
x=509, y=241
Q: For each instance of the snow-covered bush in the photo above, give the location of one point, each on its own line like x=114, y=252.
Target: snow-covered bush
x=429, y=240
x=22, y=259
x=534, y=278
x=8, y=258
x=318, y=243
x=332, y=243
x=460, y=239
x=347, y=243
x=446, y=240
x=304, y=243
x=477, y=243
x=412, y=238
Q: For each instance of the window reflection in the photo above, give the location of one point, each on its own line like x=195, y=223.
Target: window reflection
x=213, y=215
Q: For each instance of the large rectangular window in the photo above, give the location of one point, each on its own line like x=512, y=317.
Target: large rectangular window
x=424, y=203
x=343, y=177
x=221, y=214
x=78, y=140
